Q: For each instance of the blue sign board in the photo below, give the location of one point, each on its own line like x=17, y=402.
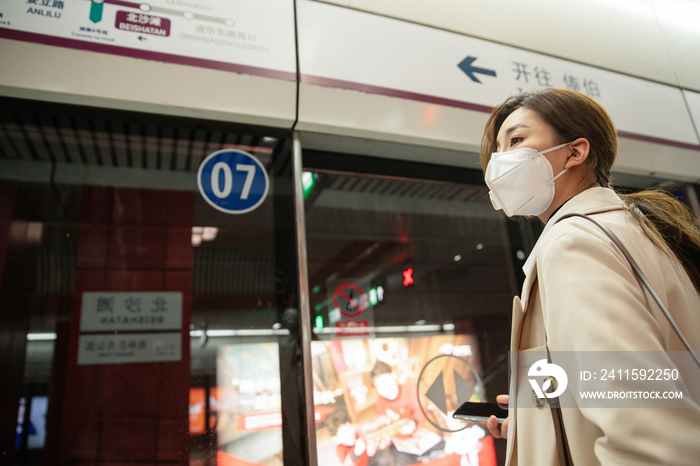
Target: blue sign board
x=233, y=181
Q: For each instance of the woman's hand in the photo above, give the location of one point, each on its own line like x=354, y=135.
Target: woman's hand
x=498, y=431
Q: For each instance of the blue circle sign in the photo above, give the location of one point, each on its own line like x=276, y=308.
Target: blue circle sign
x=233, y=181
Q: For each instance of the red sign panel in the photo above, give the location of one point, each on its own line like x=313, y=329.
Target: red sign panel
x=142, y=23
x=352, y=329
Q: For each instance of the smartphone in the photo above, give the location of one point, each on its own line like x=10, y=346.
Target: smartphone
x=480, y=412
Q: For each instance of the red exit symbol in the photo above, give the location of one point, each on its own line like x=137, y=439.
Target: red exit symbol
x=408, y=277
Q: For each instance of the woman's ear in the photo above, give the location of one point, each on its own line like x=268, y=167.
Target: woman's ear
x=579, y=152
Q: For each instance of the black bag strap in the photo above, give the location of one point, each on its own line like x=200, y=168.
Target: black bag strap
x=563, y=452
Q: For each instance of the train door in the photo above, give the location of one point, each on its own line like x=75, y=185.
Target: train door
x=411, y=275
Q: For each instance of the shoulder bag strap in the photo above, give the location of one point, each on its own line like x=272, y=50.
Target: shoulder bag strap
x=644, y=282
x=563, y=451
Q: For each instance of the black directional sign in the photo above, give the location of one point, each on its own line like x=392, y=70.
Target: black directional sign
x=436, y=393
x=467, y=66
x=455, y=383
x=464, y=389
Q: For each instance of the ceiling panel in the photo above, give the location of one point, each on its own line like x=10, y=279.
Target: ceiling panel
x=680, y=23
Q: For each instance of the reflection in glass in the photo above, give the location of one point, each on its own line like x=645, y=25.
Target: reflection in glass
x=411, y=284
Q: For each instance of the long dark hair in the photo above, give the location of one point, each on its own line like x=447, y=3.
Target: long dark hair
x=667, y=222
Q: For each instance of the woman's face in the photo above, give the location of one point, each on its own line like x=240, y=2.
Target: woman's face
x=524, y=128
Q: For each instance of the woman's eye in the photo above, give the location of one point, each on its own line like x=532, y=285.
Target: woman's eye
x=514, y=141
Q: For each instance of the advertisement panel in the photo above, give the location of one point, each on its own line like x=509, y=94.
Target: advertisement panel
x=377, y=401
x=390, y=401
x=249, y=425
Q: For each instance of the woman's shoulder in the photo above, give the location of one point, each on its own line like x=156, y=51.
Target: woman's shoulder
x=577, y=235
x=619, y=221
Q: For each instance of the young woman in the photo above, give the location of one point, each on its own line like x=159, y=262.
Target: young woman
x=549, y=153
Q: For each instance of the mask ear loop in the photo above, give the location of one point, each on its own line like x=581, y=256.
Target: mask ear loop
x=560, y=174
x=553, y=148
x=551, y=182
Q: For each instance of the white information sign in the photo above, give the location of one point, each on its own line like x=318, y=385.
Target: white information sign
x=112, y=311
x=129, y=348
x=251, y=37
x=350, y=49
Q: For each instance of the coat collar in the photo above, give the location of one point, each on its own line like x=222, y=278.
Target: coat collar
x=591, y=201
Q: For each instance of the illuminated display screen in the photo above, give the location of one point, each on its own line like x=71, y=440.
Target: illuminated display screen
x=249, y=404
x=390, y=401
x=377, y=401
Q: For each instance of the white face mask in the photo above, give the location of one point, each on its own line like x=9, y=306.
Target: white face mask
x=521, y=181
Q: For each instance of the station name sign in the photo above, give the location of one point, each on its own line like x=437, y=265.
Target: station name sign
x=130, y=327
x=105, y=311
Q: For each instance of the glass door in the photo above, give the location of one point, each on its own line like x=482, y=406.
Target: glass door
x=411, y=286
x=139, y=323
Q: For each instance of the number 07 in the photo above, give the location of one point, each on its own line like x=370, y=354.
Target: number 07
x=250, y=169
x=228, y=179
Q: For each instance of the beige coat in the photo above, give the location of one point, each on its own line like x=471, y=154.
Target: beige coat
x=581, y=286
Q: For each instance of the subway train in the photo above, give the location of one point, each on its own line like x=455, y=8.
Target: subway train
x=258, y=233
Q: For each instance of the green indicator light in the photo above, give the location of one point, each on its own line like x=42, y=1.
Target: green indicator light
x=373, y=300
x=316, y=288
x=319, y=322
x=96, y=11
x=307, y=182
x=319, y=307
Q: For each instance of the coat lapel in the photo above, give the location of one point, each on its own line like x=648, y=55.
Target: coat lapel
x=530, y=279
x=519, y=309
x=516, y=328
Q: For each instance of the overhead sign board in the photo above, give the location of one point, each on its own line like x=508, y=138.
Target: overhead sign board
x=233, y=181
x=251, y=37
x=340, y=47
